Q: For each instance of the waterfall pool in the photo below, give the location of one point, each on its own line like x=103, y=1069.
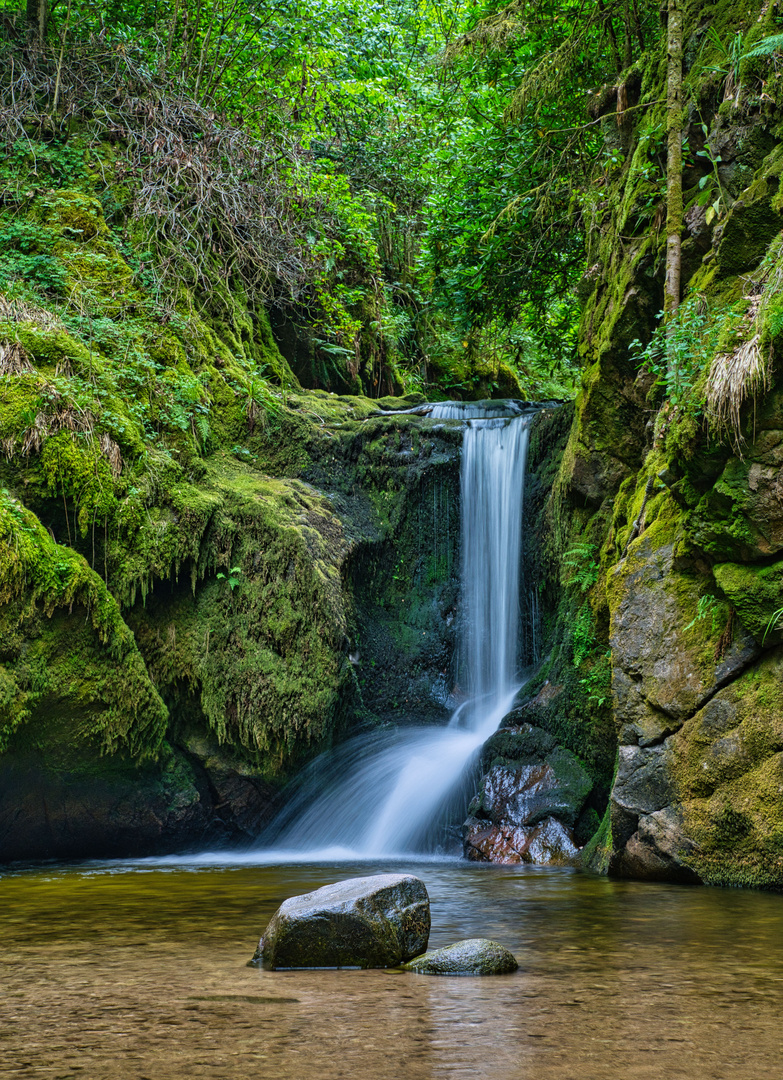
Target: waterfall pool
x=138, y=970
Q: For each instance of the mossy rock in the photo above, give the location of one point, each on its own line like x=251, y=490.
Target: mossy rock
x=473, y=956
x=757, y=595
x=66, y=646
x=370, y=922
x=705, y=804
x=739, y=518
x=62, y=798
x=751, y=226
x=672, y=658
x=516, y=745
x=596, y=854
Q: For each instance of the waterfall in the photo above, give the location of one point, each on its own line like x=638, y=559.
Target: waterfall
x=379, y=793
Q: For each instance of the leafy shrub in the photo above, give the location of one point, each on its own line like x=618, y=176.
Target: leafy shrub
x=26, y=255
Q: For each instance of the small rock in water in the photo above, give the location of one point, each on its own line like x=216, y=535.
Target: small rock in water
x=369, y=922
x=474, y=956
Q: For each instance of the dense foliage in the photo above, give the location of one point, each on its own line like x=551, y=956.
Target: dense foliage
x=405, y=182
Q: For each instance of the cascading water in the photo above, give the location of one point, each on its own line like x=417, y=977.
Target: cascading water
x=379, y=793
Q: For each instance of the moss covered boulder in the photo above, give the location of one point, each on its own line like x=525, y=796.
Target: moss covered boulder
x=370, y=922
x=473, y=956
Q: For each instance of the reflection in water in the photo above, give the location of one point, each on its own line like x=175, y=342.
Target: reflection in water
x=132, y=971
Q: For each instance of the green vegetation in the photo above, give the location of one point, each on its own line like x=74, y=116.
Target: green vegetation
x=387, y=177
x=231, y=233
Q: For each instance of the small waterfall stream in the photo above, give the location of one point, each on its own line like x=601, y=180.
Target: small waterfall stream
x=380, y=793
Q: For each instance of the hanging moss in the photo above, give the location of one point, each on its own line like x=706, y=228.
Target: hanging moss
x=67, y=652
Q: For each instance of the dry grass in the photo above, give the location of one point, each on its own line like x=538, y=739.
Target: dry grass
x=42, y=423
x=733, y=379
x=739, y=376
x=211, y=196
x=111, y=452
x=13, y=359
x=16, y=311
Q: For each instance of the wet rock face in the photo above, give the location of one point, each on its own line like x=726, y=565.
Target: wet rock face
x=556, y=787
x=663, y=674
x=525, y=809
x=473, y=956
x=122, y=813
x=547, y=842
x=697, y=793
x=370, y=922
x=183, y=802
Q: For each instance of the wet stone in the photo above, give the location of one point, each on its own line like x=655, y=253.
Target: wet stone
x=547, y=842
x=473, y=956
x=526, y=811
x=370, y=922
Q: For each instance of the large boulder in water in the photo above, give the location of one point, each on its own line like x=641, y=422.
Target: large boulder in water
x=369, y=922
x=474, y=956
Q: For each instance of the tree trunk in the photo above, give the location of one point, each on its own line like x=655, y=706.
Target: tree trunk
x=674, y=126
x=627, y=40
x=612, y=37
x=37, y=12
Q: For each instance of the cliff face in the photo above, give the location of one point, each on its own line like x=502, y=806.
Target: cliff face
x=673, y=510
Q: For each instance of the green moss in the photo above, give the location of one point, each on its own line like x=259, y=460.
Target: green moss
x=48, y=346
x=67, y=650
x=751, y=226
x=72, y=213
x=265, y=656
x=598, y=850
x=728, y=768
x=757, y=594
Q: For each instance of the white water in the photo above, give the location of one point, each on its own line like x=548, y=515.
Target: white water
x=381, y=793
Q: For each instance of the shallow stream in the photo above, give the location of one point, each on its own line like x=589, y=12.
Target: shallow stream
x=137, y=971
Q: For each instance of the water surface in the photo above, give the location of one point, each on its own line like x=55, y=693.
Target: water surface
x=138, y=971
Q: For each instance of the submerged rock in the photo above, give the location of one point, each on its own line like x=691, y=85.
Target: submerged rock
x=369, y=922
x=473, y=956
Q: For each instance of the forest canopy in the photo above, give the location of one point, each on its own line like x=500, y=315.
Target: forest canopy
x=405, y=183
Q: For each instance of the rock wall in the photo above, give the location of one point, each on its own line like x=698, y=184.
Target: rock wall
x=175, y=722
x=666, y=519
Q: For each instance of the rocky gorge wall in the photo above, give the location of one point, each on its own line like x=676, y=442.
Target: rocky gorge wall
x=666, y=518
x=178, y=724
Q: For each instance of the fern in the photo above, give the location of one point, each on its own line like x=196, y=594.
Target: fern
x=201, y=424
x=706, y=606
x=767, y=47
x=582, y=566
x=582, y=635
